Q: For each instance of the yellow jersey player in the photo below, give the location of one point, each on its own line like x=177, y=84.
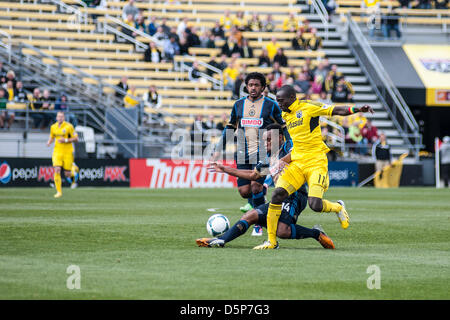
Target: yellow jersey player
x=63, y=133
x=307, y=161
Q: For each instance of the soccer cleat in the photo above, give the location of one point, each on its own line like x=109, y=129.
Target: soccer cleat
x=73, y=185
x=210, y=242
x=266, y=245
x=246, y=208
x=58, y=195
x=257, y=231
x=343, y=215
x=324, y=240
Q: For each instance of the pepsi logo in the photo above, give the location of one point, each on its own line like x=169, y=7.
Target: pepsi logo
x=5, y=173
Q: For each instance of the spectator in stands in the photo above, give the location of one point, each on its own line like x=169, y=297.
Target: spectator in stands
x=390, y=22
x=152, y=53
x=152, y=26
x=445, y=160
x=182, y=26
x=323, y=97
x=171, y=48
x=62, y=105
x=36, y=105
x=254, y=24
x=343, y=91
x=140, y=23
x=263, y=59
x=440, y=4
x=217, y=31
x=130, y=100
x=20, y=95
x=130, y=9
x=151, y=98
x=245, y=51
x=276, y=71
x=3, y=72
x=317, y=85
x=290, y=23
x=192, y=38
x=127, y=31
x=184, y=47
x=328, y=84
x=301, y=85
x=211, y=43
x=223, y=62
x=370, y=132
x=314, y=42
x=308, y=72
x=10, y=76
x=381, y=152
x=204, y=39
x=227, y=22
x=240, y=21
x=335, y=73
x=160, y=34
x=210, y=124
x=165, y=27
x=223, y=122
x=5, y=115
x=194, y=72
x=273, y=87
x=269, y=24
x=321, y=71
x=298, y=42
x=282, y=80
x=198, y=128
x=357, y=138
x=46, y=104
x=229, y=47
x=272, y=48
x=305, y=27
x=281, y=58
x=424, y=4
x=123, y=84
x=230, y=75
x=9, y=90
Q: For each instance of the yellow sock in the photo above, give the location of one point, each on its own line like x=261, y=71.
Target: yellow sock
x=58, y=182
x=273, y=215
x=329, y=206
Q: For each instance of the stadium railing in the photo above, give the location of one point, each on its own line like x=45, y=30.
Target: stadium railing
x=384, y=88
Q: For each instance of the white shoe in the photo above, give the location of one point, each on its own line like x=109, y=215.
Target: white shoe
x=73, y=185
x=257, y=231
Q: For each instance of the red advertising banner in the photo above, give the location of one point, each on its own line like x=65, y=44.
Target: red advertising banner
x=165, y=173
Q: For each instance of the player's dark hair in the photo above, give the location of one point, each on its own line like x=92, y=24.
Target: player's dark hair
x=257, y=76
x=288, y=90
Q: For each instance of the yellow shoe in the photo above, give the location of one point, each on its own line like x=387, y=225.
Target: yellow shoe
x=266, y=245
x=343, y=216
x=58, y=195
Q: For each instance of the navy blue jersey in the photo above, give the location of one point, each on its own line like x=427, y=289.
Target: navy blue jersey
x=248, y=117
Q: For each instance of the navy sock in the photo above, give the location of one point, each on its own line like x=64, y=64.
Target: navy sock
x=299, y=232
x=235, y=231
x=250, y=201
x=258, y=199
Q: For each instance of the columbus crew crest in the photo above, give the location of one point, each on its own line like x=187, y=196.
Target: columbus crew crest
x=299, y=114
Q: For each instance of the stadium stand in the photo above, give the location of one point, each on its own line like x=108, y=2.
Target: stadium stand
x=92, y=48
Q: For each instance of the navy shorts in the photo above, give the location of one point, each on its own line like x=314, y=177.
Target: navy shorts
x=289, y=213
x=247, y=166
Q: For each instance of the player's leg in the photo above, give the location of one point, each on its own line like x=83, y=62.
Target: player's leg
x=57, y=159
x=259, y=199
x=318, y=182
x=290, y=181
x=67, y=164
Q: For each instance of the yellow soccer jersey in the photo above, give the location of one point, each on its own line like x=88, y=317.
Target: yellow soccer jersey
x=65, y=131
x=303, y=126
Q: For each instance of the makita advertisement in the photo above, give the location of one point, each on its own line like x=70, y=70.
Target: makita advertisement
x=28, y=172
x=166, y=173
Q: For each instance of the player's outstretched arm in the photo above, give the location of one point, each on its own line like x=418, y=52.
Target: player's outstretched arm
x=252, y=175
x=50, y=141
x=346, y=110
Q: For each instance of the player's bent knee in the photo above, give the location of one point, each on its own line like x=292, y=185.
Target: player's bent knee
x=279, y=195
x=257, y=187
x=315, y=204
x=245, y=191
x=251, y=217
x=283, y=231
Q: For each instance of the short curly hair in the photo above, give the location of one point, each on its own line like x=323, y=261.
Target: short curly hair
x=258, y=76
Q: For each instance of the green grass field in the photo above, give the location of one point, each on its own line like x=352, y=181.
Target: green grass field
x=140, y=244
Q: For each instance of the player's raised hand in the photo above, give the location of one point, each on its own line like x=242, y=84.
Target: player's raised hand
x=216, y=167
x=366, y=108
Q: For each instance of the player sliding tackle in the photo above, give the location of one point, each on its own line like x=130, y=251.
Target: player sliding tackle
x=292, y=206
x=308, y=160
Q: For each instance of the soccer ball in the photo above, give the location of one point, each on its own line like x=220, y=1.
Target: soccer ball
x=217, y=224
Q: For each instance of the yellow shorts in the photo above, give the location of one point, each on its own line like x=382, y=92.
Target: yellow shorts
x=296, y=174
x=63, y=160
